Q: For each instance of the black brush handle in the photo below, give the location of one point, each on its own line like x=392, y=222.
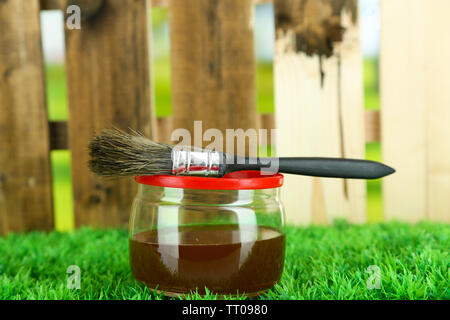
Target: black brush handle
x=317, y=167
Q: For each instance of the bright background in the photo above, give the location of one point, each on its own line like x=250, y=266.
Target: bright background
x=53, y=44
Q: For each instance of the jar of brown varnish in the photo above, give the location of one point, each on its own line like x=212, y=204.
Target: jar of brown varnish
x=224, y=234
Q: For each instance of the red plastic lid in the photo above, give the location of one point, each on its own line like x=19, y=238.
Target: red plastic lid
x=240, y=180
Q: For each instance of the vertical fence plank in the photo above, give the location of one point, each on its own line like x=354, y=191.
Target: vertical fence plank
x=437, y=48
x=213, y=67
x=415, y=68
x=319, y=103
x=403, y=108
x=108, y=84
x=25, y=178
x=352, y=112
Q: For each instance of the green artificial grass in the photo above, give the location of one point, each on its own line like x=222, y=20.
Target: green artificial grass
x=321, y=263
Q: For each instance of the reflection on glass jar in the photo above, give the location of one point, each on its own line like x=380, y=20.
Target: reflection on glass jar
x=230, y=241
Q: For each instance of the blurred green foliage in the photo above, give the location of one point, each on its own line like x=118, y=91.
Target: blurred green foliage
x=160, y=17
x=371, y=83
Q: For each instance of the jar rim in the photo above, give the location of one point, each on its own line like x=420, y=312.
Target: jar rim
x=240, y=180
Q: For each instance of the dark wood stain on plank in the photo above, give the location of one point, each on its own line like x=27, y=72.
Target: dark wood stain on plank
x=316, y=23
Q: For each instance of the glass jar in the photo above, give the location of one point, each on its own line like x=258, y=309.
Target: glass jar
x=225, y=234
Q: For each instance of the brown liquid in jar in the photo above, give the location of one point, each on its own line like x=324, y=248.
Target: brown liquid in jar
x=226, y=259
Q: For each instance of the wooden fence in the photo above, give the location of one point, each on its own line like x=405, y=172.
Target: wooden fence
x=318, y=100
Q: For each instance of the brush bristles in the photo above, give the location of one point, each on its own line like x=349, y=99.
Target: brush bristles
x=116, y=153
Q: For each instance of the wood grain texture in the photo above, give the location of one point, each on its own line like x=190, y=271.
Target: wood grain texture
x=108, y=82
x=351, y=111
x=164, y=128
x=213, y=64
x=25, y=177
x=416, y=109
x=437, y=104
x=318, y=207
x=403, y=109
x=266, y=122
x=52, y=4
x=319, y=103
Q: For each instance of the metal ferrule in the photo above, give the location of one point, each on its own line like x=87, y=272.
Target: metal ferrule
x=189, y=161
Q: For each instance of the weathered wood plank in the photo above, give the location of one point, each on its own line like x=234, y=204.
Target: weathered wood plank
x=25, y=177
x=213, y=64
x=108, y=85
x=318, y=63
x=403, y=110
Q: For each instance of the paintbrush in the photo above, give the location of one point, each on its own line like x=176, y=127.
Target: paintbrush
x=116, y=153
